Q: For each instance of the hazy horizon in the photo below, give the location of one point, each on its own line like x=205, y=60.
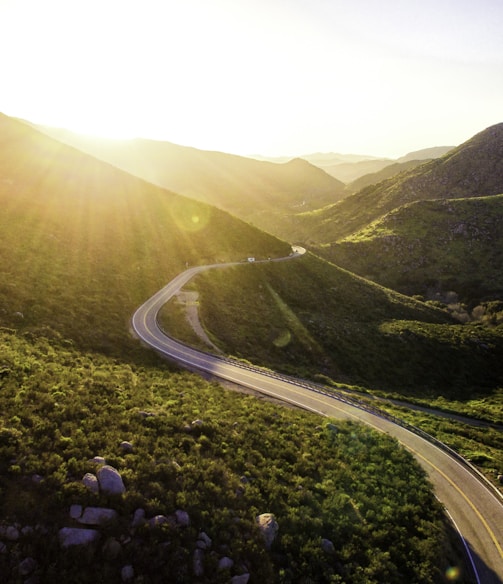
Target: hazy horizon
x=258, y=78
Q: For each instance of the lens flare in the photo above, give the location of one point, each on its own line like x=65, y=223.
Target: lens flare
x=453, y=574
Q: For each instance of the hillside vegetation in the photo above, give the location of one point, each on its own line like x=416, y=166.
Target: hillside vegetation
x=260, y=192
x=81, y=245
x=439, y=249
x=473, y=169
x=83, y=242
x=311, y=318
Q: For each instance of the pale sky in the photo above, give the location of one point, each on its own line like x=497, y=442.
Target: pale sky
x=271, y=77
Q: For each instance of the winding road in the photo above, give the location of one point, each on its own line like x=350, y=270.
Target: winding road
x=474, y=507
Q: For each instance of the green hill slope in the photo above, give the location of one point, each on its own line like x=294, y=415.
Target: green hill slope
x=312, y=319
x=473, y=169
x=83, y=242
x=431, y=248
x=259, y=192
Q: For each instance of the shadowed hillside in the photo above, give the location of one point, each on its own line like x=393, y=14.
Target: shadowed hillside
x=473, y=169
x=431, y=248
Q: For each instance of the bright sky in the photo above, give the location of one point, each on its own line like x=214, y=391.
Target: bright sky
x=271, y=77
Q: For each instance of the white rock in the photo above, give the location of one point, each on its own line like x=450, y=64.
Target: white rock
x=110, y=480
x=72, y=536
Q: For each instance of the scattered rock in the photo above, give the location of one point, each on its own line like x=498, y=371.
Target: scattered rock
x=9, y=532
x=98, y=460
x=3, y=548
x=112, y=549
x=138, y=518
x=203, y=541
x=143, y=414
x=110, y=480
x=126, y=447
x=75, y=511
x=27, y=566
x=158, y=520
x=182, y=518
x=97, y=516
x=198, y=562
x=269, y=527
x=197, y=423
x=225, y=563
x=36, y=478
x=243, y=579
x=127, y=573
x=91, y=482
x=73, y=536
x=500, y=478
x=327, y=546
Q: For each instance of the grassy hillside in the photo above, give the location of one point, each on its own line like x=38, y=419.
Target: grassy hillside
x=259, y=192
x=389, y=171
x=311, y=318
x=432, y=248
x=81, y=245
x=473, y=169
x=82, y=241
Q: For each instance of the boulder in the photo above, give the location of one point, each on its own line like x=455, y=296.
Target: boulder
x=91, y=482
x=111, y=549
x=159, y=520
x=27, y=566
x=203, y=541
x=225, y=563
x=138, y=518
x=242, y=579
x=127, y=573
x=97, y=516
x=269, y=527
x=327, y=546
x=98, y=460
x=198, y=562
x=75, y=511
x=182, y=518
x=74, y=536
x=126, y=447
x=110, y=480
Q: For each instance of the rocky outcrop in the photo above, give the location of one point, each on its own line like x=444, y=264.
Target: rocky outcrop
x=268, y=527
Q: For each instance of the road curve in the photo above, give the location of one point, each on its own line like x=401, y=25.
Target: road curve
x=475, y=509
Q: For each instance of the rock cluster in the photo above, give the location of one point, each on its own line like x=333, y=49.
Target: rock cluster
x=106, y=532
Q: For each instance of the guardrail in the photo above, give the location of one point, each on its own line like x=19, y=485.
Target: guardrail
x=354, y=401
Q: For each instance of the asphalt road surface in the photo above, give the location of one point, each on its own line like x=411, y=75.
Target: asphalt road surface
x=475, y=508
